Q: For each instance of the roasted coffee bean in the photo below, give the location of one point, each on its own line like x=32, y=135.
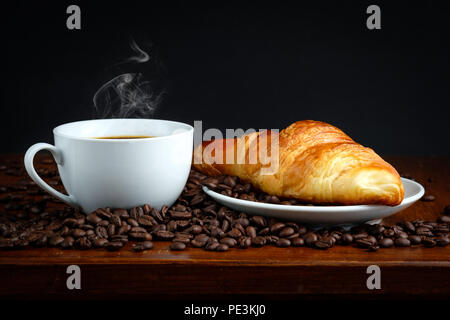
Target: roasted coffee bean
x=250, y=231
x=195, y=229
x=54, y=226
x=147, y=208
x=230, y=181
x=302, y=230
x=372, y=239
x=202, y=237
x=244, y=222
x=293, y=225
x=222, y=247
x=402, y=242
x=140, y=236
x=415, y=239
x=83, y=243
x=258, y=241
x=132, y=222
x=359, y=236
x=310, y=239
x=442, y=241
x=376, y=229
x=42, y=242
x=428, y=198
x=165, y=235
x=86, y=227
x=271, y=239
x=442, y=229
x=216, y=232
x=111, y=230
x=100, y=243
x=103, y=223
x=244, y=242
x=292, y=236
x=180, y=214
x=33, y=237
x=258, y=221
x=323, y=245
x=147, y=221
x=389, y=233
x=386, y=243
x=70, y=222
x=428, y=242
x=283, y=243
x=409, y=226
x=115, y=219
x=114, y=246
x=157, y=215
x=363, y=243
x=101, y=232
x=264, y=231
x=211, y=245
x=298, y=242
x=402, y=234
x=331, y=240
x=184, y=234
x=286, y=232
x=374, y=248
x=147, y=245
x=121, y=238
x=67, y=243
x=277, y=227
x=124, y=229
x=134, y=213
x=172, y=226
x=103, y=214
x=93, y=218
x=230, y=242
x=55, y=240
x=234, y=233
x=225, y=225
x=138, y=247
x=347, y=238
x=197, y=199
x=424, y=231
x=184, y=240
x=177, y=246
x=197, y=244
x=444, y=219
x=138, y=229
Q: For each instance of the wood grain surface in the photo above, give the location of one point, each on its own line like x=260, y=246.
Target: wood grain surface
x=267, y=272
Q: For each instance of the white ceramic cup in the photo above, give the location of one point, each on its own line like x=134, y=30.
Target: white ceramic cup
x=118, y=173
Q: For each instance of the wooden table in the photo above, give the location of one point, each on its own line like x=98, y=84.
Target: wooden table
x=266, y=272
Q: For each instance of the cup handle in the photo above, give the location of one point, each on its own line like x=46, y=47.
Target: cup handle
x=29, y=157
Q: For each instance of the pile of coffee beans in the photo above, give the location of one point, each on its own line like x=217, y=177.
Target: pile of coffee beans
x=194, y=220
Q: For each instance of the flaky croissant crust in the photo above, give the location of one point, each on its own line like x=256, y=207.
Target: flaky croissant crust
x=317, y=163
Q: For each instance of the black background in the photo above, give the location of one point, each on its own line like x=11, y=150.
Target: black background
x=236, y=65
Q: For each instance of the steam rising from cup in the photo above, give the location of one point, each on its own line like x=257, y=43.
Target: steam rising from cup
x=128, y=95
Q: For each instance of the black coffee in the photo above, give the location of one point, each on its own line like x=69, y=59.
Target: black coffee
x=125, y=137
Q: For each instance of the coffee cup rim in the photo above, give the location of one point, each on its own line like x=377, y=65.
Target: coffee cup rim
x=57, y=130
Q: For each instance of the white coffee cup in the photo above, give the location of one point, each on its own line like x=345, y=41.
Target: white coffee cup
x=118, y=173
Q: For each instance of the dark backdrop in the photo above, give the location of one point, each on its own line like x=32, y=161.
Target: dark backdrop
x=237, y=65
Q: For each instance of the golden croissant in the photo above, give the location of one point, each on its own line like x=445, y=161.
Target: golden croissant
x=315, y=163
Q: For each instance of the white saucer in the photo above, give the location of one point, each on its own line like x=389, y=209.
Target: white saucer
x=328, y=215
